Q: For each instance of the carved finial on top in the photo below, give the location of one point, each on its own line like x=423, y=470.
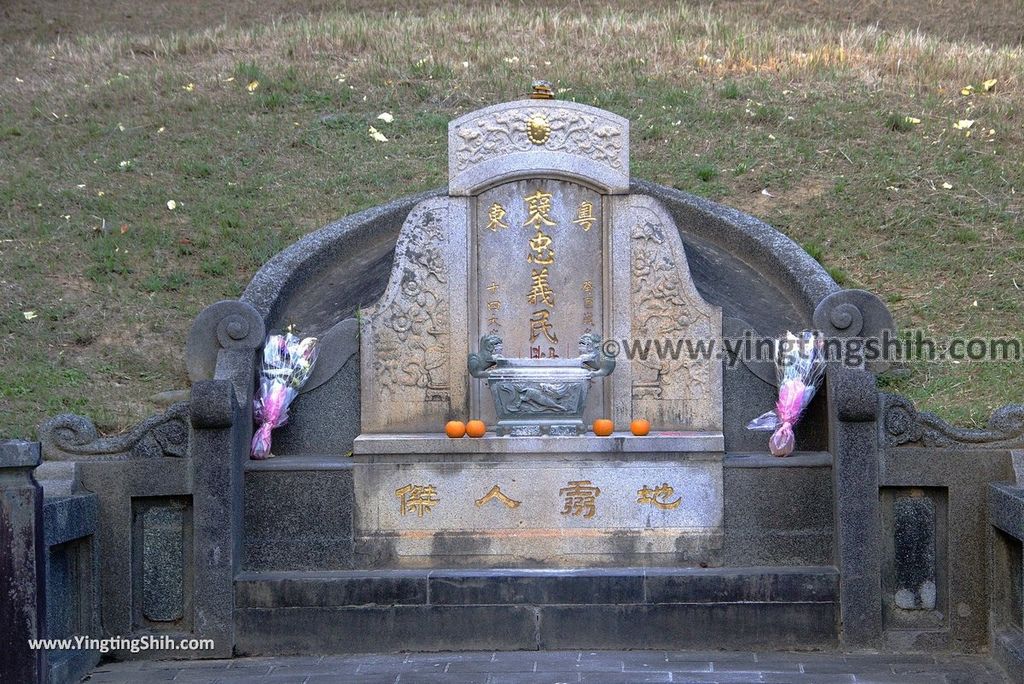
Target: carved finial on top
x=542, y=90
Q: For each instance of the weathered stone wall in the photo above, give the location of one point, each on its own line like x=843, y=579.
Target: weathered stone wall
x=72, y=581
x=1006, y=589
x=936, y=538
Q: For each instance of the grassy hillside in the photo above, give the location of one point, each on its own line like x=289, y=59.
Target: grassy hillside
x=259, y=133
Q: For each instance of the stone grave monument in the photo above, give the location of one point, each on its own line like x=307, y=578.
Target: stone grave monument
x=537, y=254
x=512, y=295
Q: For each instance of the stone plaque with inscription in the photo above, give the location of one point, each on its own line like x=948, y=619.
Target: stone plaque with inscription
x=540, y=244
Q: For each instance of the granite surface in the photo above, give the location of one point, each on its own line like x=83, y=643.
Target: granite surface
x=553, y=510
x=576, y=667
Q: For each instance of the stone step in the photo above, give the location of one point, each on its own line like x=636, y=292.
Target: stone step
x=279, y=613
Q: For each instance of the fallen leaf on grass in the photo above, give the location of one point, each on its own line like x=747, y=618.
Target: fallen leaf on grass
x=963, y=124
x=29, y=315
x=253, y=85
x=172, y=205
x=989, y=84
x=188, y=87
x=947, y=186
x=912, y=120
x=377, y=135
x=386, y=117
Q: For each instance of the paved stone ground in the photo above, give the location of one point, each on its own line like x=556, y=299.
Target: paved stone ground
x=596, y=667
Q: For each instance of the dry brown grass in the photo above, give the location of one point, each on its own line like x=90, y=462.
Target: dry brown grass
x=669, y=41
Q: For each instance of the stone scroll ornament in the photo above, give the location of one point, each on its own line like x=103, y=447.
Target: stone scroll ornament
x=72, y=437
x=287, y=363
x=800, y=367
x=903, y=424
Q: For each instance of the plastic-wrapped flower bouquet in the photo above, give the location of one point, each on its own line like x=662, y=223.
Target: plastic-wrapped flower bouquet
x=800, y=367
x=287, y=364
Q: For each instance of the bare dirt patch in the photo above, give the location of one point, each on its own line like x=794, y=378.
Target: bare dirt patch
x=761, y=202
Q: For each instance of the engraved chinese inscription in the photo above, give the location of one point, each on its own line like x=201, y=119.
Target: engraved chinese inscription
x=585, y=215
x=416, y=498
x=540, y=286
x=540, y=291
x=539, y=206
x=494, y=216
x=580, y=498
x=495, y=494
x=540, y=324
x=659, y=497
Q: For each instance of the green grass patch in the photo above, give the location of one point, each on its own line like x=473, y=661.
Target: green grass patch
x=261, y=136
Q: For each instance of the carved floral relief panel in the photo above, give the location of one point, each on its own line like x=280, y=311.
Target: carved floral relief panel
x=674, y=376
x=414, y=341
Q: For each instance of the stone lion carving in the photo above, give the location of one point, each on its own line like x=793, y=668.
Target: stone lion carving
x=490, y=353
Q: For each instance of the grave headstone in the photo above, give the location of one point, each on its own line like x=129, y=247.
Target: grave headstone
x=540, y=258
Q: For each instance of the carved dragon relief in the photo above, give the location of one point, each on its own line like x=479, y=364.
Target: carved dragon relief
x=902, y=423
x=667, y=313
x=410, y=338
x=568, y=131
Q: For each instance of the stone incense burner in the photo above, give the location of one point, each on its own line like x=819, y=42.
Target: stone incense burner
x=540, y=396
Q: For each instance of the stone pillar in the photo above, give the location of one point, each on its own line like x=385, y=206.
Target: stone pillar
x=22, y=564
x=853, y=440
x=218, y=447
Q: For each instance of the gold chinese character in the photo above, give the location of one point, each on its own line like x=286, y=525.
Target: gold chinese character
x=588, y=302
x=499, y=495
x=417, y=498
x=588, y=318
x=588, y=286
x=585, y=215
x=492, y=321
x=543, y=253
x=494, y=216
x=540, y=290
x=539, y=324
x=494, y=305
x=658, y=497
x=492, y=288
x=539, y=206
x=580, y=498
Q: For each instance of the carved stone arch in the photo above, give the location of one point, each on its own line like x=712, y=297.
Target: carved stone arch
x=538, y=138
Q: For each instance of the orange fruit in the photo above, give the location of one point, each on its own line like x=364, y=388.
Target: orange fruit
x=476, y=428
x=603, y=427
x=640, y=427
x=455, y=428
